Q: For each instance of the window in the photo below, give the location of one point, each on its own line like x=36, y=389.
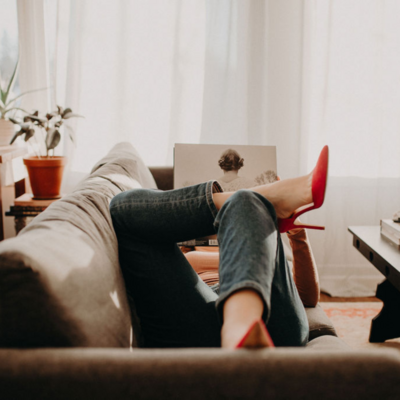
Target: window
x=8, y=40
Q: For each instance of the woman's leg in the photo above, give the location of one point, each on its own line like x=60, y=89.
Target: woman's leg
x=286, y=196
x=252, y=261
x=176, y=308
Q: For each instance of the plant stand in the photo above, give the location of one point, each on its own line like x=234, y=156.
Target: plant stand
x=12, y=184
x=25, y=208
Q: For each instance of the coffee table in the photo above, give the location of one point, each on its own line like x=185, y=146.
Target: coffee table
x=386, y=258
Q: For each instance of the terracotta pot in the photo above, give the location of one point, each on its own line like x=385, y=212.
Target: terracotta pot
x=45, y=175
x=7, y=130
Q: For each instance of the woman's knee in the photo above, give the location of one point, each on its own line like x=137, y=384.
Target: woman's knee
x=123, y=206
x=248, y=201
x=244, y=198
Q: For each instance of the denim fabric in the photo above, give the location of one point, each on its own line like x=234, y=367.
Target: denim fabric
x=176, y=308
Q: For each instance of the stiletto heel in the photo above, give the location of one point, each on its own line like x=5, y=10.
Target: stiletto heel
x=318, y=189
x=256, y=337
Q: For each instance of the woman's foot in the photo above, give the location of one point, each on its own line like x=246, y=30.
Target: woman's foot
x=288, y=195
x=257, y=337
x=241, y=310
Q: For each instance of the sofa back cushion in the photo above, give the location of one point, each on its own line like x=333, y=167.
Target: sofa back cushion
x=60, y=280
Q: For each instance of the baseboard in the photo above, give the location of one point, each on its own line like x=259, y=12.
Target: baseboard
x=349, y=281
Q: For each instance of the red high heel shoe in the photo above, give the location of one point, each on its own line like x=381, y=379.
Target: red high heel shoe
x=318, y=188
x=256, y=337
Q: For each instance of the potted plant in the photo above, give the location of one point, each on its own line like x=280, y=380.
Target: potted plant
x=45, y=170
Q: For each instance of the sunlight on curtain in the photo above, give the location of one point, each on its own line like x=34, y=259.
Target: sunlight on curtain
x=34, y=65
x=352, y=90
x=8, y=40
x=138, y=67
x=351, y=100
x=235, y=73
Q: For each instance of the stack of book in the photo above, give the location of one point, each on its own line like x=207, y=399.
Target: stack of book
x=26, y=206
x=390, y=231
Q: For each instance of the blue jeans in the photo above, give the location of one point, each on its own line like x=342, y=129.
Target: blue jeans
x=176, y=308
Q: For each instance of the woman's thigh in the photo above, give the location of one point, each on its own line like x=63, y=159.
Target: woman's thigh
x=175, y=307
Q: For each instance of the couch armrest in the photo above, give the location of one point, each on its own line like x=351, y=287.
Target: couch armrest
x=164, y=177
x=319, y=322
x=283, y=373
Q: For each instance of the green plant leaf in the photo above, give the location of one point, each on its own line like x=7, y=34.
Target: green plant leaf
x=35, y=117
x=12, y=80
x=2, y=96
x=71, y=133
x=53, y=137
x=72, y=115
x=14, y=121
x=19, y=133
x=28, y=134
x=66, y=111
x=14, y=108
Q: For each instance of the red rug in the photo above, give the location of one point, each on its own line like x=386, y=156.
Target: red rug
x=352, y=322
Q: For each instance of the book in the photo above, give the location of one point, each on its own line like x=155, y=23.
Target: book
x=390, y=227
x=206, y=241
x=26, y=206
x=390, y=231
x=391, y=239
x=234, y=167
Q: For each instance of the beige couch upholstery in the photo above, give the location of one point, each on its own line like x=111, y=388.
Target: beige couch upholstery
x=66, y=323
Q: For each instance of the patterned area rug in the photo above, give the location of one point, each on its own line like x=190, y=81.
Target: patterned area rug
x=352, y=322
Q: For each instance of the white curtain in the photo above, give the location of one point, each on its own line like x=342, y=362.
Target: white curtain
x=136, y=72
x=297, y=75
x=34, y=63
x=351, y=100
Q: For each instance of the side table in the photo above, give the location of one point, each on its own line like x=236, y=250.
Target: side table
x=386, y=258
x=12, y=183
x=25, y=208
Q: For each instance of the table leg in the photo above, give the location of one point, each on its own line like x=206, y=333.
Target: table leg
x=386, y=325
x=1, y=214
x=20, y=223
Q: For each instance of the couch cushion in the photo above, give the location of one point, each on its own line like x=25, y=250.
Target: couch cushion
x=327, y=343
x=319, y=323
x=60, y=281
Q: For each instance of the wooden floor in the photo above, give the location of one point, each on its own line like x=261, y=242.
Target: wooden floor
x=326, y=298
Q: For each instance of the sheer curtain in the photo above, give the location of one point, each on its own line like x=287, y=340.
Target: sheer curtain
x=34, y=65
x=351, y=100
x=135, y=71
x=297, y=75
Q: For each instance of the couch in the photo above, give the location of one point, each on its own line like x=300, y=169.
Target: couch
x=69, y=331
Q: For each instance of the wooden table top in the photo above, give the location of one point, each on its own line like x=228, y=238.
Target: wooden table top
x=371, y=235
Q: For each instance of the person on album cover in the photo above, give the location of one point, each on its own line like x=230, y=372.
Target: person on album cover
x=230, y=163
